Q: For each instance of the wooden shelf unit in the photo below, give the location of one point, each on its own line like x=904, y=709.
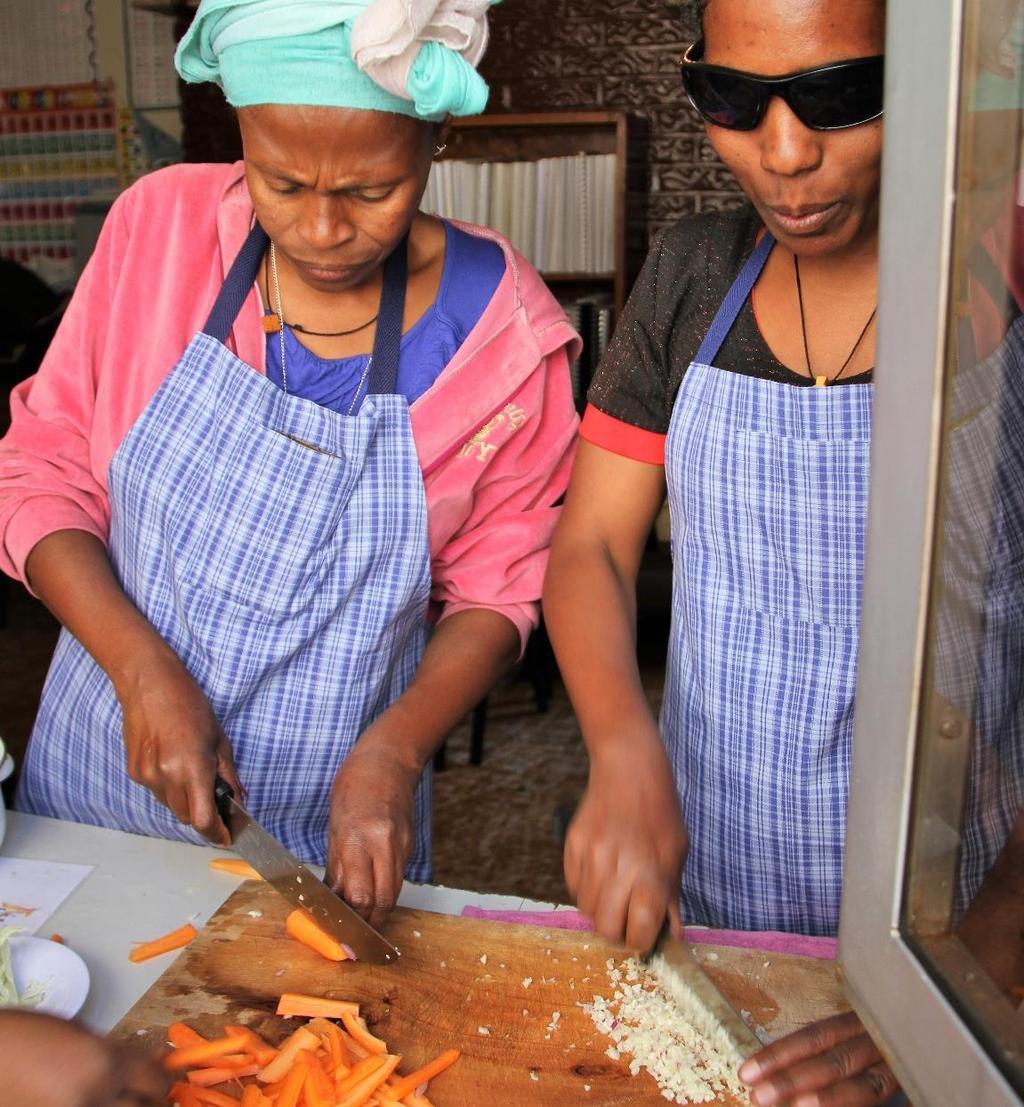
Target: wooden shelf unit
x=528, y=137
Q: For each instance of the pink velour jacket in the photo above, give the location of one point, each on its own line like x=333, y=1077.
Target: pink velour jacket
x=494, y=434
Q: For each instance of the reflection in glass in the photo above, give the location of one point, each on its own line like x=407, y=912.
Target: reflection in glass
x=965, y=892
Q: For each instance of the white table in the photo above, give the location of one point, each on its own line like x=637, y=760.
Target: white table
x=141, y=888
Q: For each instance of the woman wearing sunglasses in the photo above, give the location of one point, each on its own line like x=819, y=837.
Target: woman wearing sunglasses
x=739, y=384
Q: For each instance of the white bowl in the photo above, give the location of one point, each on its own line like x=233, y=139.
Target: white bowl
x=6, y=768
x=59, y=970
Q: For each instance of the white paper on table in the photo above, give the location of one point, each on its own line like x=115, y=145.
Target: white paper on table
x=30, y=891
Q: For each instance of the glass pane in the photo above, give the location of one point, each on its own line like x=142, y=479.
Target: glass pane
x=964, y=904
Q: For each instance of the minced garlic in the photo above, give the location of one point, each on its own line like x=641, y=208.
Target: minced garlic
x=646, y=1024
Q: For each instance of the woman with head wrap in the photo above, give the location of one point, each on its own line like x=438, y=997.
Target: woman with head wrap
x=287, y=419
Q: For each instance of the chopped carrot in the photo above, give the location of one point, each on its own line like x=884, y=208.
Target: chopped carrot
x=361, y=1092
x=203, y=1078
x=282, y=1063
x=318, y=1090
x=411, y=1082
x=335, y=1040
x=260, y=1051
x=300, y=925
x=191, y=1056
x=314, y=1007
x=175, y=940
x=236, y=866
x=357, y=1051
x=359, y=1073
x=253, y=1097
x=357, y=1028
x=183, y=1096
x=179, y=1035
x=58, y=938
x=294, y=1082
x=214, y=1099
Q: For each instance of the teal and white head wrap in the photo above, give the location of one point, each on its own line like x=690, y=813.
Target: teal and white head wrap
x=414, y=57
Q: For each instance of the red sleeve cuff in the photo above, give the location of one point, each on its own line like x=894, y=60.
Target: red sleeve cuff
x=622, y=438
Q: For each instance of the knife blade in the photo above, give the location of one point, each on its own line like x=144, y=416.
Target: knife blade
x=700, y=1001
x=300, y=886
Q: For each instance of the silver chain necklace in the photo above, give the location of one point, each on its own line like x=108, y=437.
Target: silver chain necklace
x=279, y=312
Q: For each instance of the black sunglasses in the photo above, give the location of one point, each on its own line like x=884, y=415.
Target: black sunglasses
x=830, y=98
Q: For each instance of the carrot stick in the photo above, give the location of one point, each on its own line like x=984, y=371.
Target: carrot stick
x=358, y=1051
x=314, y=1007
x=192, y=1056
x=300, y=925
x=335, y=1040
x=260, y=1051
x=411, y=1082
x=294, y=1082
x=203, y=1078
x=175, y=940
x=183, y=1096
x=282, y=1063
x=253, y=1097
x=236, y=866
x=179, y=1034
x=359, y=1073
x=358, y=1029
x=318, y=1089
x=362, y=1091
x=214, y=1099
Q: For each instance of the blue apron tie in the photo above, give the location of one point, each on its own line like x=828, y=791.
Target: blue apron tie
x=734, y=300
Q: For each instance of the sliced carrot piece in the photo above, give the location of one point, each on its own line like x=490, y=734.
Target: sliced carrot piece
x=214, y=1099
x=300, y=925
x=318, y=1090
x=253, y=1097
x=262, y=1052
x=294, y=1082
x=203, y=1078
x=193, y=1056
x=175, y=940
x=58, y=938
x=282, y=1063
x=362, y=1091
x=411, y=1082
x=335, y=1039
x=357, y=1028
x=236, y=866
x=183, y=1096
x=179, y=1034
x=359, y=1073
x=315, y=1007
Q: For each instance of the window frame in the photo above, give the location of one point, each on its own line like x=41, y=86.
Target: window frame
x=938, y=1058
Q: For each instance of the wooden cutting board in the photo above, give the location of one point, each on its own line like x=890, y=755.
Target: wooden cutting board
x=460, y=983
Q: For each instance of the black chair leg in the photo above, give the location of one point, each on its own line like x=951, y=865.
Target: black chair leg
x=476, y=745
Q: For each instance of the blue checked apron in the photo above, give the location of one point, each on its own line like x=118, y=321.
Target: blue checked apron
x=767, y=487
x=281, y=550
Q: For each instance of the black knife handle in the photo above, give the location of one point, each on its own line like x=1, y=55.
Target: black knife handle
x=222, y=792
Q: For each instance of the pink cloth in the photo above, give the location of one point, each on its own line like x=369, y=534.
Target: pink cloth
x=767, y=941
x=494, y=434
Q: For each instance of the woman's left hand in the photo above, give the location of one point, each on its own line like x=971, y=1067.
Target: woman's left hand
x=831, y=1063
x=370, y=835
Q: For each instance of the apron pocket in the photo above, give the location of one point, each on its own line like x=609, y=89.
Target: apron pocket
x=263, y=533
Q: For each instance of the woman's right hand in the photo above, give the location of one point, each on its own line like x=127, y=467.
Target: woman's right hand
x=175, y=745
x=626, y=846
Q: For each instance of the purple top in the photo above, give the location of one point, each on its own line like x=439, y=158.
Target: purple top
x=473, y=268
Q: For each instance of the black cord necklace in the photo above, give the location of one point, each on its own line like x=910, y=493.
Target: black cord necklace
x=821, y=380
x=318, y=334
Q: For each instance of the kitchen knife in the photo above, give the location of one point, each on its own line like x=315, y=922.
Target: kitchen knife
x=300, y=886
x=700, y=1001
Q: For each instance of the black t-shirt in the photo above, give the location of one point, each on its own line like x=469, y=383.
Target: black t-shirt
x=684, y=280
